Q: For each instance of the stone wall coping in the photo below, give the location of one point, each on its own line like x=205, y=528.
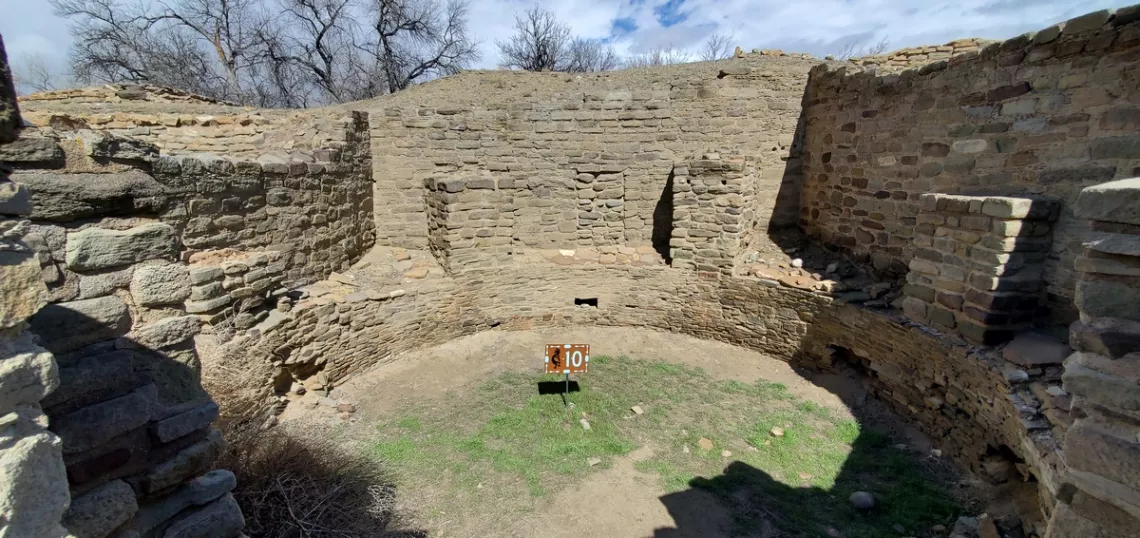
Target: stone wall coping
x=1105, y=19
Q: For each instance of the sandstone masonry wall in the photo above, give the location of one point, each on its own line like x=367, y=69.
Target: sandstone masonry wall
x=587, y=156
x=1049, y=112
x=139, y=251
x=965, y=397
x=978, y=264
x=33, y=480
x=1102, y=447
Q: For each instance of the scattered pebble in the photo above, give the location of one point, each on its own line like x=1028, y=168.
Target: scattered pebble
x=805, y=476
x=585, y=424
x=776, y=432
x=797, y=263
x=705, y=443
x=832, y=267
x=863, y=500
x=753, y=449
x=593, y=461
x=1016, y=376
x=938, y=529
x=899, y=528
x=345, y=407
x=344, y=416
x=936, y=452
x=685, y=449
x=725, y=454
x=637, y=410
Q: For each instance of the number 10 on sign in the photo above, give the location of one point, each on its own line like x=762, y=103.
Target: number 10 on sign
x=567, y=358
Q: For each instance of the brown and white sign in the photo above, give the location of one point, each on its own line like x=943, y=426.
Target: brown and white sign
x=567, y=358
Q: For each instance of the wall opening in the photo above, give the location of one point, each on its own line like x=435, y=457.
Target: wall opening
x=663, y=220
x=588, y=301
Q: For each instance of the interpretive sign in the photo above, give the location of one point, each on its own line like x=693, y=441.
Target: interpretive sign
x=567, y=358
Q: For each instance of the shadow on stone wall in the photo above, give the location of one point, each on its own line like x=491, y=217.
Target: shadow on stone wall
x=663, y=221
x=142, y=452
x=135, y=426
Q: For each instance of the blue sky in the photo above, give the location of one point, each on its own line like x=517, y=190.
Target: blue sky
x=818, y=27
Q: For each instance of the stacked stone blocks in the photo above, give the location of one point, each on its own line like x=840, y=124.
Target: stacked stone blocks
x=1102, y=447
x=712, y=210
x=470, y=221
x=978, y=264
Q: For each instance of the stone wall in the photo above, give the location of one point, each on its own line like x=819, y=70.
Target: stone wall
x=1049, y=112
x=588, y=156
x=903, y=59
x=183, y=124
x=1102, y=448
x=33, y=479
x=123, y=255
x=978, y=263
x=980, y=407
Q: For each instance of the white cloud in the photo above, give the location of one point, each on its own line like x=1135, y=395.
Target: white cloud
x=819, y=27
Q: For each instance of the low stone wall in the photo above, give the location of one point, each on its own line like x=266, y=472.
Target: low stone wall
x=910, y=57
x=965, y=397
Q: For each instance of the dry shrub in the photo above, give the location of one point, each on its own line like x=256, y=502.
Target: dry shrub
x=294, y=487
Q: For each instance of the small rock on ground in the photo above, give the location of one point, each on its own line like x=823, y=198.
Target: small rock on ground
x=585, y=424
x=637, y=410
x=725, y=454
x=862, y=500
x=593, y=461
x=776, y=431
x=705, y=443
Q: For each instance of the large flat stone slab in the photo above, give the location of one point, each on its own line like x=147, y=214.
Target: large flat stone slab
x=99, y=248
x=65, y=197
x=1034, y=350
x=72, y=325
x=1115, y=201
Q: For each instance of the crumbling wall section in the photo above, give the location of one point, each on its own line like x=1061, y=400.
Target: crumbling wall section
x=1043, y=113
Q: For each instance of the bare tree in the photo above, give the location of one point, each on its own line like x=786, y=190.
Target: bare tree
x=415, y=39
x=588, y=55
x=269, y=52
x=666, y=55
x=717, y=47
x=540, y=42
x=32, y=74
x=855, y=49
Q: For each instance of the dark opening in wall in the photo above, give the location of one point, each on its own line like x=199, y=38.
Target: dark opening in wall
x=590, y=301
x=663, y=220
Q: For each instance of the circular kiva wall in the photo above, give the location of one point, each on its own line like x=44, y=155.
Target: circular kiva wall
x=956, y=393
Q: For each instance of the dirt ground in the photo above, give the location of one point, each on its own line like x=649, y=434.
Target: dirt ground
x=618, y=502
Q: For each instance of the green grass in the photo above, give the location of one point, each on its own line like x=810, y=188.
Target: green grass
x=501, y=448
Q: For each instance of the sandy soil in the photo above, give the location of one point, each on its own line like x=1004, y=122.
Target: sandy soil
x=620, y=502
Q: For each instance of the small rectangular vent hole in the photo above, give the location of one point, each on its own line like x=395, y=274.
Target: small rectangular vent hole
x=590, y=301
